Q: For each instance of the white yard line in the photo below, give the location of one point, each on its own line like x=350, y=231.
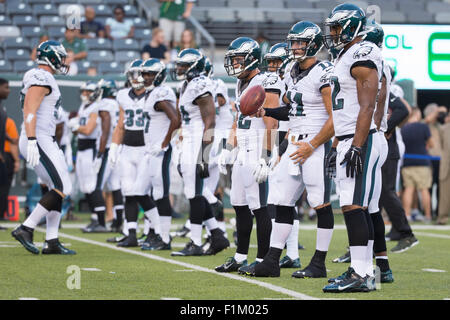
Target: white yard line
x=291, y=293
x=432, y=235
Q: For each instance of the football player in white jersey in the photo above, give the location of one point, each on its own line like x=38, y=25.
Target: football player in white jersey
x=40, y=98
x=355, y=79
x=302, y=165
x=197, y=109
x=249, y=149
x=163, y=121
x=134, y=164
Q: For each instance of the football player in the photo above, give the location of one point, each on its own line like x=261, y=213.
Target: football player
x=355, y=78
x=197, y=109
x=302, y=165
x=249, y=149
x=134, y=164
x=40, y=99
x=163, y=121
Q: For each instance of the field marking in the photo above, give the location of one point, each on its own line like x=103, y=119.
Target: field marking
x=170, y=298
x=269, y=286
x=25, y=298
x=90, y=269
x=433, y=270
x=432, y=235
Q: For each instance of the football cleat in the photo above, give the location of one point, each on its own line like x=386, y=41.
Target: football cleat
x=157, y=244
x=267, y=268
x=405, y=244
x=53, y=246
x=182, y=233
x=98, y=228
x=370, y=283
x=116, y=239
x=231, y=265
x=218, y=243
x=191, y=249
x=149, y=239
x=352, y=283
x=248, y=269
x=343, y=276
x=345, y=258
x=25, y=236
x=311, y=271
x=129, y=241
x=386, y=276
x=92, y=224
x=287, y=262
x=206, y=245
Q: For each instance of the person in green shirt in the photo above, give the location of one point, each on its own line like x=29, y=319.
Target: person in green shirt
x=172, y=15
x=73, y=43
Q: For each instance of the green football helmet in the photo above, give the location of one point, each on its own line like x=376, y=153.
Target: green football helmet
x=250, y=53
x=190, y=63
x=134, y=74
x=94, y=91
x=52, y=54
x=157, y=69
x=351, y=20
x=374, y=33
x=307, y=32
x=108, y=87
x=209, y=69
x=278, y=52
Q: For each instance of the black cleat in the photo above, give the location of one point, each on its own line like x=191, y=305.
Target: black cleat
x=157, y=244
x=98, y=228
x=24, y=235
x=248, y=269
x=190, y=249
x=129, y=241
x=92, y=224
x=182, y=233
x=116, y=239
x=218, y=243
x=345, y=258
x=150, y=239
x=53, y=246
x=352, y=282
x=287, y=262
x=230, y=265
x=311, y=271
x=267, y=268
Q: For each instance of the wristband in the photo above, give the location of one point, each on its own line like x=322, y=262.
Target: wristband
x=31, y=138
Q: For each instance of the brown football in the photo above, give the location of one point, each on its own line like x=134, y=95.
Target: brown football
x=252, y=99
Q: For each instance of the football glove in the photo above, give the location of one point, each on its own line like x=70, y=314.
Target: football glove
x=330, y=163
x=157, y=150
x=226, y=157
x=353, y=160
x=32, y=152
x=74, y=124
x=98, y=162
x=261, y=171
x=113, y=154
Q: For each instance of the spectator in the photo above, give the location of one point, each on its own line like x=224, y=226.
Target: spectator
x=432, y=114
x=119, y=28
x=91, y=28
x=73, y=43
x=156, y=47
x=444, y=173
x=42, y=38
x=187, y=41
x=92, y=71
x=70, y=61
x=416, y=173
x=172, y=15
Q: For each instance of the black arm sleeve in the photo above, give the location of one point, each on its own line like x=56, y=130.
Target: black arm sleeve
x=399, y=112
x=280, y=113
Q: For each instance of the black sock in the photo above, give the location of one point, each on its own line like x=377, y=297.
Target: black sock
x=131, y=209
x=357, y=229
x=208, y=210
x=145, y=202
x=263, y=230
x=164, y=207
x=379, y=244
x=244, y=225
x=98, y=204
x=118, y=206
x=197, y=210
x=273, y=254
x=272, y=210
x=369, y=224
x=383, y=264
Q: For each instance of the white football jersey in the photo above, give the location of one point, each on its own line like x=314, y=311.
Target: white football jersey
x=308, y=113
x=224, y=114
x=47, y=113
x=282, y=125
x=387, y=74
x=111, y=106
x=159, y=122
x=344, y=92
x=84, y=114
x=133, y=106
x=190, y=112
x=63, y=117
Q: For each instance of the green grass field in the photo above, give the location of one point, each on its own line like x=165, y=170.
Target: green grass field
x=108, y=272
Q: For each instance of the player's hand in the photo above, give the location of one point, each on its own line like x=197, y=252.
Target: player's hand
x=330, y=163
x=32, y=152
x=226, y=157
x=260, y=113
x=113, y=154
x=261, y=171
x=202, y=169
x=74, y=124
x=303, y=152
x=157, y=150
x=353, y=160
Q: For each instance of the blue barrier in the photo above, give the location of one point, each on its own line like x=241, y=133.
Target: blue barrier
x=421, y=157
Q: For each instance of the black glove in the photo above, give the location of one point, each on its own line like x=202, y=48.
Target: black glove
x=202, y=170
x=354, y=161
x=330, y=163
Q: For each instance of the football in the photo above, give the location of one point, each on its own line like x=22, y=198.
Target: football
x=252, y=99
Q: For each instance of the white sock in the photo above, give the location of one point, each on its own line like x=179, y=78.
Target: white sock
x=279, y=235
x=196, y=234
x=259, y=259
x=53, y=218
x=36, y=216
x=369, y=257
x=187, y=224
x=166, y=222
x=358, y=259
x=125, y=227
x=222, y=226
x=131, y=225
x=323, y=239
x=147, y=225
x=211, y=223
x=239, y=257
x=292, y=242
x=94, y=216
x=153, y=216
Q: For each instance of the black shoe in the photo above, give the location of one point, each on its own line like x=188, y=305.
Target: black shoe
x=392, y=235
x=287, y=262
x=25, y=236
x=248, y=269
x=311, y=271
x=189, y=250
x=267, y=268
x=98, y=228
x=218, y=243
x=230, y=265
x=351, y=283
x=345, y=258
x=116, y=239
x=343, y=276
x=129, y=241
x=206, y=246
x=182, y=233
x=92, y=224
x=149, y=240
x=53, y=246
x=405, y=244
x=157, y=244
x=115, y=226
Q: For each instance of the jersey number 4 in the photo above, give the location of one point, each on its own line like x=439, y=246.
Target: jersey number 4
x=297, y=99
x=338, y=104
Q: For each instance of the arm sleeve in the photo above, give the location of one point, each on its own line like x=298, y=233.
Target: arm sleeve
x=399, y=112
x=280, y=113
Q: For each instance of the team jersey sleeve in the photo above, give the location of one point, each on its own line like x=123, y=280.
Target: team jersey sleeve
x=323, y=73
x=273, y=83
x=36, y=77
x=367, y=55
x=222, y=90
x=164, y=93
x=201, y=87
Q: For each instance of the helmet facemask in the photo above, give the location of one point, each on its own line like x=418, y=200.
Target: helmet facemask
x=135, y=78
x=237, y=64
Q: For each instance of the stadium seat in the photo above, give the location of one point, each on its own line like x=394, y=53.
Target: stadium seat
x=325, y=4
x=32, y=32
x=110, y=68
x=125, y=56
x=392, y=17
x=212, y=3
x=99, y=44
x=84, y=66
x=125, y=44
x=386, y=5
x=34, y=42
x=15, y=9
x=222, y=14
x=33, y=2
x=199, y=14
x=443, y=17
x=5, y=20
x=142, y=34
x=279, y=16
x=362, y=4
x=56, y=32
x=102, y=10
x=25, y=21
x=250, y=14
x=419, y=17
x=64, y=1
x=237, y=4
x=100, y=56
x=140, y=23
x=268, y=4
x=52, y=21
x=16, y=43
x=130, y=11
x=91, y=2
x=9, y=31
x=44, y=9
x=1, y=54
x=117, y=2
x=5, y=66
x=17, y=54
x=316, y=17
x=2, y=8
x=298, y=4
x=23, y=66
